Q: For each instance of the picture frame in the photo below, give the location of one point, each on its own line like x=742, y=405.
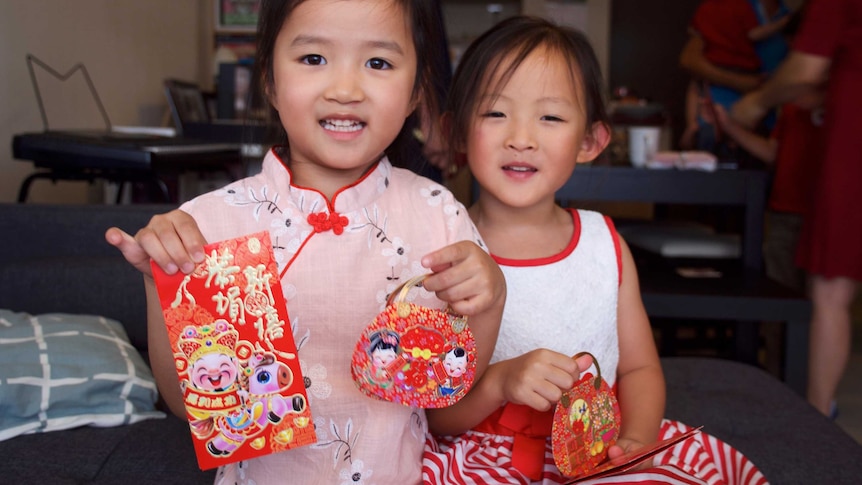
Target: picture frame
x=236, y=15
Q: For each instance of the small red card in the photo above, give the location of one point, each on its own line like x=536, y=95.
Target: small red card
x=234, y=352
x=632, y=459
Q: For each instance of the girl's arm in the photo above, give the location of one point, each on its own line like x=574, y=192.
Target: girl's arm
x=160, y=353
x=640, y=381
x=472, y=283
x=469, y=280
x=536, y=379
x=174, y=242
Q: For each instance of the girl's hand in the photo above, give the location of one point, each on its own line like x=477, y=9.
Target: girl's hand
x=539, y=378
x=466, y=277
x=172, y=240
x=625, y=445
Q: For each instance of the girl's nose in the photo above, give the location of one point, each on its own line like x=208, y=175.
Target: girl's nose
x=345, y=86
x=521, y=137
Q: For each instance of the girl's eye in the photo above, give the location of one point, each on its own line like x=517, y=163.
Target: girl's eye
x=493, y=114
x=313, y=60
x=378, y=64
x=551, y=118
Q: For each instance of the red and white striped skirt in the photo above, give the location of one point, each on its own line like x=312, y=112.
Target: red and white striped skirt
x=481, y=458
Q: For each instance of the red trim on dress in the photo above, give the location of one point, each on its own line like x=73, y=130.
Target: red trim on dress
x=573, y=243
x=329, y=204
x=615, y=236
x=322, y=221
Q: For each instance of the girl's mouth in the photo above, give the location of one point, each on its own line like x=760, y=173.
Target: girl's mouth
x=344, y=126
x=519, y=168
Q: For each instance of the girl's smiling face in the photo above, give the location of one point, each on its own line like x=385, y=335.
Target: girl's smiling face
x=527, y=135
x=343, y=85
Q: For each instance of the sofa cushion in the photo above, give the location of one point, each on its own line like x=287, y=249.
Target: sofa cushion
x=60, y=371
x=93, y=285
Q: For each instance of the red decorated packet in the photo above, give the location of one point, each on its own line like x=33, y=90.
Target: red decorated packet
x=586, y=424
x=628, y=461
x=235, y=355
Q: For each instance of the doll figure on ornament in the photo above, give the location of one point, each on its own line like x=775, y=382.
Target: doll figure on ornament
x=449, y=372
x=384, y=349
x=263, y=380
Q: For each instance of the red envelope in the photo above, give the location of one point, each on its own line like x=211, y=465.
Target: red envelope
x=234, y=353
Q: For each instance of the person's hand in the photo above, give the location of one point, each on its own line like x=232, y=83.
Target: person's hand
x=687, y=140
x=811, y=100
x=748, y=110
x=625, y=445
x=466, y=277
x=715, y=115
x=539, y=378
x=173, y=240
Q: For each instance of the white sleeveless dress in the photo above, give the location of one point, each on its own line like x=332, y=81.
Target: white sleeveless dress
x=568, y=303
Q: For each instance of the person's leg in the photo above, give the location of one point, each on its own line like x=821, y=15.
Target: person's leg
x=829, y=347
x=779, y=249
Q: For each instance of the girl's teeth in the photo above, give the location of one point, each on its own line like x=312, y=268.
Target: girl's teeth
x=342, y=125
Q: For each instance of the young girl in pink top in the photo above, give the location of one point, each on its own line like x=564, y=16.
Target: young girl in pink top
x=347, y=228
x=525, y=108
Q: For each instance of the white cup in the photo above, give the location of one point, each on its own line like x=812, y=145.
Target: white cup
x=643, y=144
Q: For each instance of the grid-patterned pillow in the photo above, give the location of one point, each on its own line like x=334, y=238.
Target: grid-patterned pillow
x=60, y=371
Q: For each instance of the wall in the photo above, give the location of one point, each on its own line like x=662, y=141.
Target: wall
x=646, y=40
x=128, y=47
x=644, y=53
x=465, y=20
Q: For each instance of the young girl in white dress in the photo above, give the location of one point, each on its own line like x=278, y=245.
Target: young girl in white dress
x=525, y=108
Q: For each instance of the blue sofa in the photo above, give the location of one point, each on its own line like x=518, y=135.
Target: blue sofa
x=54, y=259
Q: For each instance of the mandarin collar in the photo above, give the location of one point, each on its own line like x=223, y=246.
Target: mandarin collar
x=347, y=199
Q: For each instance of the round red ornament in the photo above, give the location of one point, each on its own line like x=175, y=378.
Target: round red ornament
x=414, y=355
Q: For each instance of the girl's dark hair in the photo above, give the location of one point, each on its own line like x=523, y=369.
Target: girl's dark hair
x=501, y=50
x=426, y=24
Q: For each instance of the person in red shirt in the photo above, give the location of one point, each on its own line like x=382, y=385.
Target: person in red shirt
x=792, y=150
x=733, y=43
x=826, y=51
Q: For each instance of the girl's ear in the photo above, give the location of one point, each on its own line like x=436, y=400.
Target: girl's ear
x=270, y=96
x=595, y=141
x=268, y=91
x=416, y=103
